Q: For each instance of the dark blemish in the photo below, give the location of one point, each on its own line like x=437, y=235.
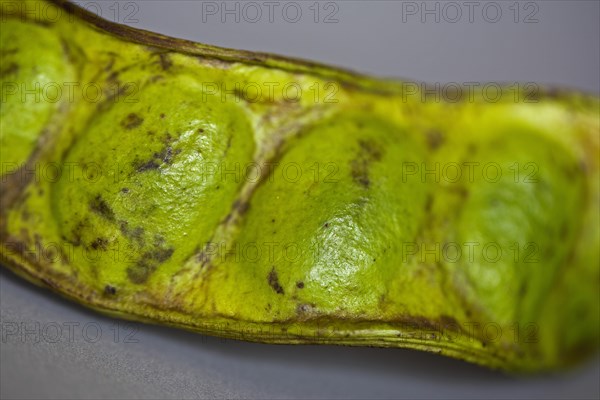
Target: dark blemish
x=100, y=207
x=110, y=290
x=428, y=203
x=532, y=94
x=167, y=155
x=239, y=93
x=434, y=139
x=110, y=64
x=359, y=167
x=162, y=116
x=9, y=52
x=300, y=285
x=113, y=76
x=418, y=322
x=227, y=218
x=132, y=121
x=522, y=289
x=203, y=258
x=448, y=321
x=163, y=254
x=164, y=157
x=371, y=149
x=50, y=255
x=304, y=308
x=243, y=94
x=359, y=173
x=124, y=227
x=460, y=190
x=12, y=68
x=113, y=94
x=137, y=234
x=159, y=240
x=243, y=207
x=140, y=273
x=147, y=264
x=125, y=190
x=165, y=61
x=571, y=171
x=274, y=281
x=134, y=234
x=273, y=220
x=99, y=243
x=20, y=247
x=326, y=225
x=149, y=165
x=76, y=232
x=200, y=130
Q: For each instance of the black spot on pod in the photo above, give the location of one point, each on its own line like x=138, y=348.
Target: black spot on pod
x=303, y=309
x=99, y=244
x=273, y=280
x=434, y=139
x=369, y=152
x=132, y=121
x=148, y=165
x=11, y=69
x=448, y=321
x=100, y=207
x=165, y=61
x=164, y=157
x=110, y=290
x=241, y=206
x=147, y=264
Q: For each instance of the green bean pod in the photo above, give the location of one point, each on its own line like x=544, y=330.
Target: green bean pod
x=268, y=199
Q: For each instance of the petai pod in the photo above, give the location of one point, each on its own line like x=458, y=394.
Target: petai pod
x=262, y=198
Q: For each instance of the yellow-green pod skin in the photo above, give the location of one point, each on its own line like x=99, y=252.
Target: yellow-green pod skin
x=255, y=197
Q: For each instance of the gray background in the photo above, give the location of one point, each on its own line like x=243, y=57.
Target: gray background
x=562, y=47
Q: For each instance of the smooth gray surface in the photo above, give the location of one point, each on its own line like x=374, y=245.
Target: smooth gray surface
x=563, y=47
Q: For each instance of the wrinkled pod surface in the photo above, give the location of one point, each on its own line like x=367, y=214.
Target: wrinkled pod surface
x=261, y=198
